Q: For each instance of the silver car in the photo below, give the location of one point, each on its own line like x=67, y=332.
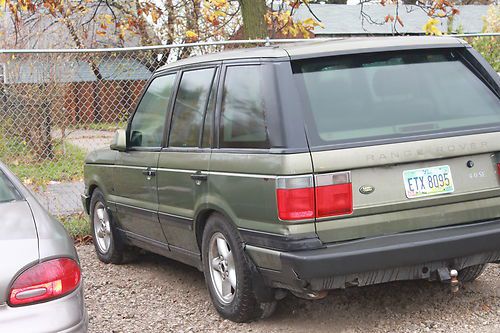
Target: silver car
x=40, y=278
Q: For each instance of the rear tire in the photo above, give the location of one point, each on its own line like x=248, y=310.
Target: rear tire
x=471, y=273
x=108, y=245
x=228, y=273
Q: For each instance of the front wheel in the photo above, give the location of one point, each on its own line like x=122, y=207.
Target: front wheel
x=228, y=273
x=108, y=245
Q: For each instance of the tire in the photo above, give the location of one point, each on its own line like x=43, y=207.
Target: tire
x=471, y=273
x=228, y=273
x=107, y=242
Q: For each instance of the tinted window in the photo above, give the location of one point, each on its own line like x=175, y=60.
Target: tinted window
x=146, y=129
x=7, y=190
x=206, y=141
x=189, y=110
x=396, y=94
x=243, y=117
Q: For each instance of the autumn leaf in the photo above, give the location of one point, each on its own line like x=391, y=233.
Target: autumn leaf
x=155, y=15
x=400, y=21
x=191, y=36
x=431, y=28
x=108, y=18
x=101, y=33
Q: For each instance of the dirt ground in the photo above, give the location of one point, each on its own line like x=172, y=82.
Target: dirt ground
x=155, y=294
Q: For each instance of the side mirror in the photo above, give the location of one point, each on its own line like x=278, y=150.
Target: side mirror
x=120, y=141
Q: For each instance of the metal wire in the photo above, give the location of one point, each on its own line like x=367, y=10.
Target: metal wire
x=266, y=41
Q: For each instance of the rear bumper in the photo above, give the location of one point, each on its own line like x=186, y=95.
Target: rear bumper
x=404, y=256
x=66, y=314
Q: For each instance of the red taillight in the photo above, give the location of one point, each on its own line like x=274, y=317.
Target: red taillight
x=45, y=281
x=298, y=198
x=333, y=200
x=498, y=169
x=295, y=204
x=295, y=196
x=333, y=194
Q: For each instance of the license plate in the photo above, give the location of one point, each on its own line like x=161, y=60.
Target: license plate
x=428, y=181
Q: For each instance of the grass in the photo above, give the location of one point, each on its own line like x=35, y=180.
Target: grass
x=67, y=164
x=110, y=127
x=78, y=226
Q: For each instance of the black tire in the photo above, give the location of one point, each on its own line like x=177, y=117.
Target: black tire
x=471, y=273
x=244, y=307
x=115, y=252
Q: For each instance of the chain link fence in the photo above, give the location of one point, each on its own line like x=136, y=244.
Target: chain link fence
x=58, y=105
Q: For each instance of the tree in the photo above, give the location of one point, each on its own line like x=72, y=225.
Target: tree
x=253, y=13
x=279, y=16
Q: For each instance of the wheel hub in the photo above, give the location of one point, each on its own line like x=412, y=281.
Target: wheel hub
x=102, y=227
x=222, y=268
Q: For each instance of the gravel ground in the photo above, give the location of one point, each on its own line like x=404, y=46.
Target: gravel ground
x=156, y=294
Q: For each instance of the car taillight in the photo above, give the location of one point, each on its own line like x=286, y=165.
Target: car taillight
x=333, y=194
x=45, y=281
x=295, y=196
x=299, y=198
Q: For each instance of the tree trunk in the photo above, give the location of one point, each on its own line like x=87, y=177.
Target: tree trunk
x=193, y=11
x=254, y=24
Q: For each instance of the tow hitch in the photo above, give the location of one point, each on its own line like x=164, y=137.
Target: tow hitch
x=446, y=275
x=454, y=281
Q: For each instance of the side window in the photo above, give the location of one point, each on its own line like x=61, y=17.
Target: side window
x=243, y=114
x=189, y=108
x=146, y=129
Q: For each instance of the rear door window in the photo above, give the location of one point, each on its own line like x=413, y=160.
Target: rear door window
x=367, y=97
x=190, y=105
x=243, y=114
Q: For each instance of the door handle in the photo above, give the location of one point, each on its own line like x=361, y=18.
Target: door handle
x=149, y=172
x=199, y=177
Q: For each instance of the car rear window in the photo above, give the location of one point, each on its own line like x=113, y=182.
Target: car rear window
x=7, y=190
x=359, y=98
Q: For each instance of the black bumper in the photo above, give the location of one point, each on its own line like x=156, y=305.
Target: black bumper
x=378, y=258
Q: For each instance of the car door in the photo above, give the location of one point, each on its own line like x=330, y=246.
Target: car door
x=183, y=165
x=135, y=182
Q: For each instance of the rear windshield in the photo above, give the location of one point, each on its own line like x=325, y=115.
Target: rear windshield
x=379, y=96
x=7, y=190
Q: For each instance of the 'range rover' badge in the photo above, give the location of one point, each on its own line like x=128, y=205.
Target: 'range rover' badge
x=366, y=189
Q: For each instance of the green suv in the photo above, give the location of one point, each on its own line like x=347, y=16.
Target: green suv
x=308, y=167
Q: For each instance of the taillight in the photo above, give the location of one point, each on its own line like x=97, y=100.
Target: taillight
x=45, y=281
x=300, y=198
x=295, y=196
x=333, y=194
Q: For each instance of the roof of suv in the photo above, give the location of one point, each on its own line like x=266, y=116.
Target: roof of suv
x=325, y=47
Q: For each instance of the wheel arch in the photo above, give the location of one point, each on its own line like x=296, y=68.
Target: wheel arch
x=202, y=217
x=88, y=197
